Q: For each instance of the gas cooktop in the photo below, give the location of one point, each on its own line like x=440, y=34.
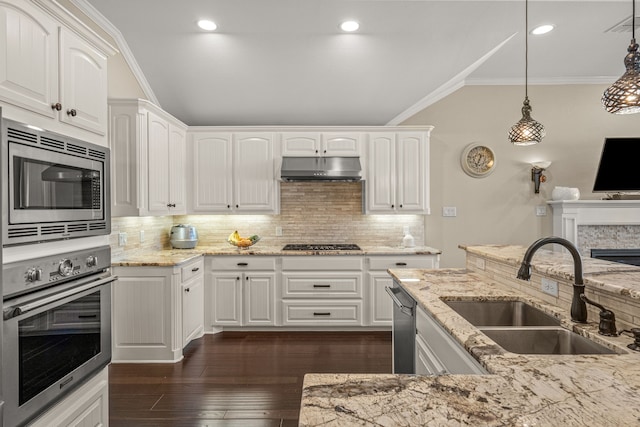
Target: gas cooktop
x=321, y=247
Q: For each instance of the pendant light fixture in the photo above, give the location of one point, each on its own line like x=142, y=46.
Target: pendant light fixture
x=623, y=97
x=527, y=131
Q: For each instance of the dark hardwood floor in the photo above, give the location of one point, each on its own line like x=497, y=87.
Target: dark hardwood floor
x=239, y=378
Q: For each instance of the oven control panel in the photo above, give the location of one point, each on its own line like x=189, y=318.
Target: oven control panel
x=29, y=275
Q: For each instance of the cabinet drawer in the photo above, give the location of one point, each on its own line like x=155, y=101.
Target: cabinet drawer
x=325, y=263
x=241, y=263
x=321, y=285
x=192, y=270
x=322, y=313
x=407, y=261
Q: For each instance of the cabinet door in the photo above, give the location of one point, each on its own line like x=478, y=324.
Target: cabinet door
x=380, y=304
x=226, y=300
x=83, y=72
x=255, y=183
x=192, y=309
x=305, y=144
x=177, y=170
x=141, y=314
x=211, y=163
x=28, y=58
x=341, y=144
x=381, y=185
x=411, y=167
x=259, y=299
x=158, y=164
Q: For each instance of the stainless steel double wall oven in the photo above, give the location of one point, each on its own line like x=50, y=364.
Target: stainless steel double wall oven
x=57, y=306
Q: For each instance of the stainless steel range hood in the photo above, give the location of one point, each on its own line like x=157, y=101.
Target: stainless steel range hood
x=321, y=169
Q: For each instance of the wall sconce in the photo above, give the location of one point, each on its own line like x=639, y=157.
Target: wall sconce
x=536, y=174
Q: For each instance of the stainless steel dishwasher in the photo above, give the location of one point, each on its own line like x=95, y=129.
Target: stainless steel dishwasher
x=404, y=330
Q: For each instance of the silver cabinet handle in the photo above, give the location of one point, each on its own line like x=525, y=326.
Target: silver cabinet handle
x=403, y=308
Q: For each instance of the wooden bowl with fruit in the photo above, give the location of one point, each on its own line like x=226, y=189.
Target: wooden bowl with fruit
x=242, y=242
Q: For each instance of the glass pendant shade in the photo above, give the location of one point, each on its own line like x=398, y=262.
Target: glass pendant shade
x=623, y=97
x=527, y=131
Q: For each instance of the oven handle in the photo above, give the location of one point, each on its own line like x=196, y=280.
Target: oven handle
x=17, y=310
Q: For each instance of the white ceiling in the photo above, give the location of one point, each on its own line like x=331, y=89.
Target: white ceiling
x=285, y=62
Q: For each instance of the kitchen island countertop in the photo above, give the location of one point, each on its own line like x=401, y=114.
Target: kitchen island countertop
x=521, y=390
x=173, y=257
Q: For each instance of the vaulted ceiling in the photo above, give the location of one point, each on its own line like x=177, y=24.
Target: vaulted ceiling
x=286, y=62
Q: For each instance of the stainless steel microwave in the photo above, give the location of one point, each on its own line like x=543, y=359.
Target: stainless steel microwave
x=54, y=187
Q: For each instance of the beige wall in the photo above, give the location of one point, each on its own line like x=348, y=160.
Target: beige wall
x=500, y=208
x=122, y=83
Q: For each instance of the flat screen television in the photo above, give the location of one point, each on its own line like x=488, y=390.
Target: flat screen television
x=619, y=168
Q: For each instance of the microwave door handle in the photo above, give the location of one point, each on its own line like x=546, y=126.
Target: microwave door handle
x=17, y=310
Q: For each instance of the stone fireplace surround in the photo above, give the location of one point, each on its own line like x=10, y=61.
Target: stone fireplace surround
x=597, y=224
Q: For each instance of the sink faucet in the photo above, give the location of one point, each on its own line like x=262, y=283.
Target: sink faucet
x=578, y=306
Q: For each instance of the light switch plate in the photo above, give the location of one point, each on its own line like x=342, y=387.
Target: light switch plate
x=541, y=210
x=278, y=231
x=480, y=263
x=449, y=211
x=122, y=239
x=549, y=286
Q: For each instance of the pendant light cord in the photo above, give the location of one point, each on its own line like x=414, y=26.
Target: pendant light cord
x=526, y=47
x=633, y=22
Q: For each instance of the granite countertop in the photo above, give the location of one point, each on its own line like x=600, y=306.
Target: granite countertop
x=521, y=390
x=173, y=257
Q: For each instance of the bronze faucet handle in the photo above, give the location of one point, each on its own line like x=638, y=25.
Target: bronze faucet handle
x=607, y=325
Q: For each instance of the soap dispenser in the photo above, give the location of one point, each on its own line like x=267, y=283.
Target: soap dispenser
x=407, y=240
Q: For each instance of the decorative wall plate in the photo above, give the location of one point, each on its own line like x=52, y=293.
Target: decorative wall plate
x=478, y=160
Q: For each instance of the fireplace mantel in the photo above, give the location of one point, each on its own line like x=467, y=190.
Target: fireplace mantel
x=569, y=214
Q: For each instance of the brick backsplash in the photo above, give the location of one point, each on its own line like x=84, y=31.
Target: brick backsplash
x=309, y=212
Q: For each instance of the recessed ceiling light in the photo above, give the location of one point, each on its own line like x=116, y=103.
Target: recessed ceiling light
x=542, y=29
x=349, y=26
x=207, y=25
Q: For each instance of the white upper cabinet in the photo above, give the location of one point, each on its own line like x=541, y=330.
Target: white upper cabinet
x=50, y=70
x=398, y=176
x=232, y=173
x=254, y=174
x=29, y=51
x=148, y=160
x=318, y=144
x=83, y=94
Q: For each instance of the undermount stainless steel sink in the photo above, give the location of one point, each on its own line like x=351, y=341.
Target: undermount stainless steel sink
x=544, y=341
x=502, y=313
x=520, y=328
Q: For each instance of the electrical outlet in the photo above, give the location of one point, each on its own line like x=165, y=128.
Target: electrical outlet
x=449, y=211
x=480, y=263
x=141, y=236
x=549, y=286
x=541, y=210
x=122, y=239
x=278, y=231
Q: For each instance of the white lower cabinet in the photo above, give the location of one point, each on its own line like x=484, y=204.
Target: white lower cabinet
x=438, y=353
x=155, y=313
x=87, y=406
x=322, y=291
x=240, y=291
x=380, y=307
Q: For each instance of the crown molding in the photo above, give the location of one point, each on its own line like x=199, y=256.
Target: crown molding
x=93, y=14
x=595, y=80
x=448, y=88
